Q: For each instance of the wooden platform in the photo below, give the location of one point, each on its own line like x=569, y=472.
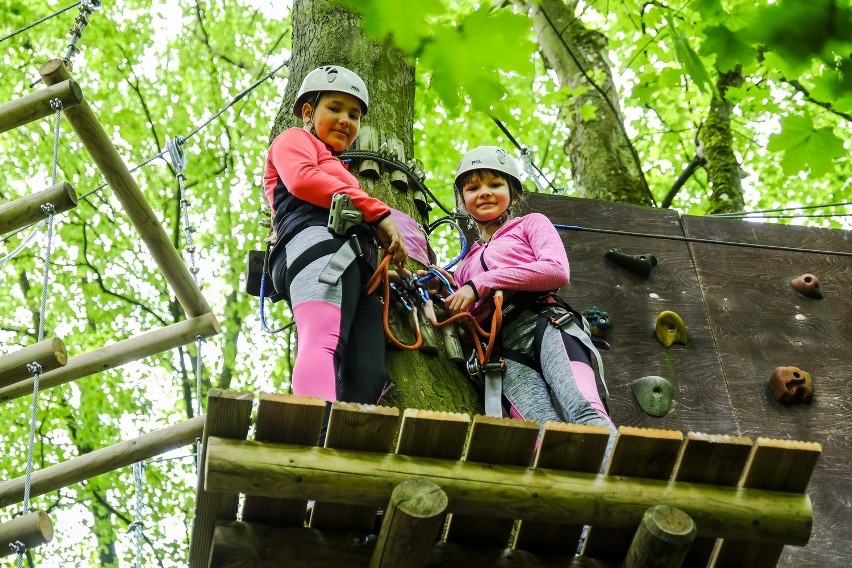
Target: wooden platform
x=510, y=501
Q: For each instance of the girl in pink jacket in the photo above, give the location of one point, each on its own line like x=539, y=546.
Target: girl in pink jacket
x=546, y=355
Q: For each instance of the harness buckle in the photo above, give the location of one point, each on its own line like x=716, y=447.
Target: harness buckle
x=342, y=215
x=561, y=320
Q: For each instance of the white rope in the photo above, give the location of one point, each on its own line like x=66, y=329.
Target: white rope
x=24, y=243
x=34, y=367
x=136, y=525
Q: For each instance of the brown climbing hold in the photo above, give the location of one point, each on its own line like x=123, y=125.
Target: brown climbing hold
x=791, y=384
x=670, y=328
x=807, y=285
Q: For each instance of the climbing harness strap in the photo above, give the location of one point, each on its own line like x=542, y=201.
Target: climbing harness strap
x=340, y=261
x=557, y=314
x=494, y=388
x=568, y=324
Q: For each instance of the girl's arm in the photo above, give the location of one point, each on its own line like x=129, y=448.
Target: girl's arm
x=296, y=159
x=542, y=267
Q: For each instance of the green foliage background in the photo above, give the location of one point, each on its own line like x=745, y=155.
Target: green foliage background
x=154, y=70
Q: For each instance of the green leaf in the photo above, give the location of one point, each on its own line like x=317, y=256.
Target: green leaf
x=729, y=48
x=409, y=23
x=804, y=147
x=588, y=112
x=691, y=63
x=472, y=57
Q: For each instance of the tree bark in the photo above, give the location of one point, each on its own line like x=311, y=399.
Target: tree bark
x=604, y=164
x=723, y=168
x=325, y=33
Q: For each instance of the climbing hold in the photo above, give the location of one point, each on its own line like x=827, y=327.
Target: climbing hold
x=654, y=394
x=791, y=384
x=641, y=264
x=670, y=329
x=807, y=285
x=599, y=321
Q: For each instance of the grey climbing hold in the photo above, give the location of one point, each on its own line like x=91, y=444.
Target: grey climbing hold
x=654, y=394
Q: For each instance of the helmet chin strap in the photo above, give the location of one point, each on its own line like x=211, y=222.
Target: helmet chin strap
x=483, y=226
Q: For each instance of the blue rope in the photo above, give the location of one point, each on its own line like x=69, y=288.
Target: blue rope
x=263, y=323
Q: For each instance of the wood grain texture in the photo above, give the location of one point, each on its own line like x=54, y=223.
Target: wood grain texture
x=761, y=323
x=701, y=400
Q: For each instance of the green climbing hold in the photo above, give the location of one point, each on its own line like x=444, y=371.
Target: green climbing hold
x=654, y=394
x=670, y=329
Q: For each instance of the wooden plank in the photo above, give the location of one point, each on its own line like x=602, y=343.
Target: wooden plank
x=117, y=354
x=27, y=210
x=648, y=453
x=31, y=530
x=133, y=201
x=284, y=419
x=776, y=465
x=228, y=416
x=499, y=441
x=502, y=491
x=362, y=427
x=566, y=447
x=761, y=323
x=49, y=354
x=713, y=459
x=101, y=461
x=701, y=401
x=433, y=434
x=36, y=105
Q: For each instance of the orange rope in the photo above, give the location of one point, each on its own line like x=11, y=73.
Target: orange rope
x=382, y=277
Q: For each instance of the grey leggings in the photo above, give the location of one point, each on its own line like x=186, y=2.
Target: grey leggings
x=565, y=390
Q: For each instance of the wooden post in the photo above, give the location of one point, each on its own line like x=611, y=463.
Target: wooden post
x=101, y=461
x=397, y=179
x=111, y=356
x=228, y=414
x=93, y=136
x=368, y=139
x=509, y=492
x=27, y=210
x=662, y=539
x=49, y=354
x=411, y=525
x=36, y=105
x=32, y=530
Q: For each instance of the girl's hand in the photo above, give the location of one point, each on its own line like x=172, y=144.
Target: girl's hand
x=390, y=237
x=461, y=300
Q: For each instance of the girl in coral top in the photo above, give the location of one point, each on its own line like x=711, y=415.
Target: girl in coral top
x=341, y=347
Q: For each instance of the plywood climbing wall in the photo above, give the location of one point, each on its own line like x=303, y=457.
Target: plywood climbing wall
x=744, y=320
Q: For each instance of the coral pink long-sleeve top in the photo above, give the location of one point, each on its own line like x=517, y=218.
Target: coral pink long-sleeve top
x=301, y=169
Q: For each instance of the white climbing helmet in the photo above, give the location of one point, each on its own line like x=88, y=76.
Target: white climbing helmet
x=331, y=78
x=489, y=158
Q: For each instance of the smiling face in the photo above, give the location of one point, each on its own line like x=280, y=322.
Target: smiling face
x=336, y=119
x=486, y=195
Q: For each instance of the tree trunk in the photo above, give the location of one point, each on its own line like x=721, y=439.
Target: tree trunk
x=723, y=168
x=325, y=33
x=604, y=164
